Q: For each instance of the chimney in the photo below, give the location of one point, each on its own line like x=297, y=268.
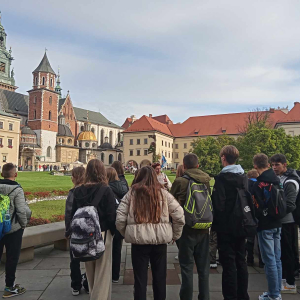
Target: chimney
x=296, y=103
x=272, y=110
x=150, y=115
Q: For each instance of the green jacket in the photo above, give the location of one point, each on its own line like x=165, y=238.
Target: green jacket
x=180, y=185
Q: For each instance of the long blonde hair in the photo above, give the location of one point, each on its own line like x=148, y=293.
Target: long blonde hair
x=112, y=174
x=180, y=171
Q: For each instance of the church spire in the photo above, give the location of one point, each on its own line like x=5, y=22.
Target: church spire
x=58, y=89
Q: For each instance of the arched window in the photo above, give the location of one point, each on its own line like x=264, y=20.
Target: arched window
x=69, y=141
x=82, y=128
x=43, y=81
x=49, y=152
x=93, y=130
x=34, y=100
x=111, y=159
x=102, y=136
x=111, y=137
x=49, y=114
x=51, y=82
x=94, y=145
x=102, y=157
x=50, y=100
x=80, y=145
x=120, y=157
x=34, y=114
x=36, y=81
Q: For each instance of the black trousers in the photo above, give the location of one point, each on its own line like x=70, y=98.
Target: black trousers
x=232, y=254
x=157, y=254
x=12, y=243
x=296, y=249
x=288, y=252
x=116, y=255
x=250, y=250
x=76, y=278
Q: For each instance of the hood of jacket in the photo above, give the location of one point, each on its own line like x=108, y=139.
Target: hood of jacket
x=119, y=188
x=268, y=176
x=237, y=169
x=292, y=174
x=84, y=194
x=198, y=175
x=236, y=180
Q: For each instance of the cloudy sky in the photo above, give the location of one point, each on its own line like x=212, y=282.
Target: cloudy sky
x=181, y=58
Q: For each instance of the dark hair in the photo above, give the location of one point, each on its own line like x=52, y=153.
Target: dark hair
x=252, y=174
x=118, y=166
x=191, y=161
x=179, y=171
x=155, y=165
x=111, y=174
x=95, y=172
x=8, y=170
x=135, y=175
x=231, y=153
x=78, y=175
x=261, y=161
x=278, y=158
x=147, y=195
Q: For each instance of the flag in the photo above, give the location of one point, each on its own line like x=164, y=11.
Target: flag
x=163, y=161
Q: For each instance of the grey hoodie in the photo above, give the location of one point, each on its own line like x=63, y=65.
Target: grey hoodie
x=18, y=205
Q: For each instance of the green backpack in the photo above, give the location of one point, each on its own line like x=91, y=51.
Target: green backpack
x=198, y=206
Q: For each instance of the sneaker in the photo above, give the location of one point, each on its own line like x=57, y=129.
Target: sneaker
x=265, y=296
x=283, y=284
x=75, y=292
x=176, y=257
x=289, y=289
x=13, y=291
x=115, y=281
x=213, y=266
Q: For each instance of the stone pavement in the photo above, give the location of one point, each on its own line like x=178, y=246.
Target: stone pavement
x=47, y=278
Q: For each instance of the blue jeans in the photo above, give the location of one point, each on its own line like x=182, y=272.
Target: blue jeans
x=269, y=243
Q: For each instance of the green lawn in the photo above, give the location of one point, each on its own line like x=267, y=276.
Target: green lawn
x=46, y=209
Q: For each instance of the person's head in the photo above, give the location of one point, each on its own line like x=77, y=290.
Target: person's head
x=261, y=162
x=117, y=165
x=156, y=167
x=78, y=176
x=252, y=174
x=135, y=175
x=147, y=194
x=229, y=155
x=111, y=174
x=279, y=163
x=95, y=172
x=179, y=171
x=190, y=161
x=9, y=171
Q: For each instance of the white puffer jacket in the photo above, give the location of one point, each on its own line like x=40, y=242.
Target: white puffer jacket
x=148, y=233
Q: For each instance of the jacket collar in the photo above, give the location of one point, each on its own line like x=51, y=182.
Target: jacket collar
x=8, y=182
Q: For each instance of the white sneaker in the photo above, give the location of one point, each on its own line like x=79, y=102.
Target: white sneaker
x=75, y=292
x=265, y=296
x=213, y=266
x=176, y=257
x=283, y=284
x=289, y=289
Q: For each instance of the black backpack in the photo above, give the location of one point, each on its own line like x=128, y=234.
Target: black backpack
x=242, y=222
x=275, y=200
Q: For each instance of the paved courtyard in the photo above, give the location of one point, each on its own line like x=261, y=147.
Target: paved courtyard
x=47, y=278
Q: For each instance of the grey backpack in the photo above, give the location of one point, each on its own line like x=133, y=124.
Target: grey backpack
x=198, y=206
x=86, y=241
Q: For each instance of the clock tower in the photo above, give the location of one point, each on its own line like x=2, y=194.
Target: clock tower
x=7, y=81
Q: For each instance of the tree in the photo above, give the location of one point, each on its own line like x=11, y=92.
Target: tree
x=208, y=152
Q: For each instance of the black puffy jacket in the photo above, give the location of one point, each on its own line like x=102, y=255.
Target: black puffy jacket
x=119, y=187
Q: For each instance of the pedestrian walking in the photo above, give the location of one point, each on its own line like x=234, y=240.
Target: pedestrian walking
x=96, y=192
x=143, y=217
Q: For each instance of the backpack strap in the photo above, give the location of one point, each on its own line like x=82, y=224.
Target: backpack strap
x=98, y=196
x=15, y=212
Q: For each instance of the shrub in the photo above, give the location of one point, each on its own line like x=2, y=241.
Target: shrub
x=37, y=221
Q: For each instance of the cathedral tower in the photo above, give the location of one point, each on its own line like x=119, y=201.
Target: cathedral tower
x=7, y=81
x=43, y=109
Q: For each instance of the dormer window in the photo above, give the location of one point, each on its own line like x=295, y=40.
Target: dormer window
x=43, y=81
x=223, y=130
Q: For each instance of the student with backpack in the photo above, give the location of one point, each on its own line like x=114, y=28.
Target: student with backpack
x=76, y=276
x=15, y=215
x=92, y=228
x=117, y=165
x=144, y=218
x=193, y=190
x=120, y=189
x=290, y=180
x=232, y=209
x=267, y=191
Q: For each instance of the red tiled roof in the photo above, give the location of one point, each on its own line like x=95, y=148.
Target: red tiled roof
x=163, y=119
x=127, y=123
x=148, y=124
x=293, y=115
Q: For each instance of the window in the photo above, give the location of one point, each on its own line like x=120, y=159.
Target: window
x=51, y=82
x=176, y=155
x=94, y=145
x=166, y=144
x=36, y=81
x=166, y=154
x=185, y=145
x=1, y=125
x=82, y=128
x=49, y=114
x=2, y=67
x=176, y=146
x=138, y=141
x=93, y=130
x=169, y=145
x=111, y=137
x=169, y=155
x=87, y=144
x=145, y=141
x=80, y=145
x=49, y=152
x=102, y=157
x=110, y=159
x=131, y=142
x=4, y=158
x=50, y=100
x=145, y=152
x=10, y=126
x=138, y=152
x=43, y=82
x=119, y=138
x=130, y=152
x=102, y=136
x=69, y=141
x=120, y=157
x=162, y=143
x=10, y=143
x=172, y=145
x=1, y=142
